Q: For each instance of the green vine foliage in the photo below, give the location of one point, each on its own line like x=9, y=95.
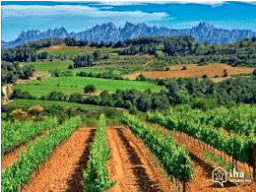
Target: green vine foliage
x=236, y=135
x=96, y=177
x=175, y=160
x=38, y=152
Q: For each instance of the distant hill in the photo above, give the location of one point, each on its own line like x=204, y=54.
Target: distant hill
x=109, y=32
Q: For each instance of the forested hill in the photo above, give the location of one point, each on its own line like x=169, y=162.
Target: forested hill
x=109, y=32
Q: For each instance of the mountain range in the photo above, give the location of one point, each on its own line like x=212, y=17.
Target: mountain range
x=109, y=32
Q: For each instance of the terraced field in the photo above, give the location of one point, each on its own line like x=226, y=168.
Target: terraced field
x=75, y=84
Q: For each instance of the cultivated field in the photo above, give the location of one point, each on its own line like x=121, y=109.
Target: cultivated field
x=168, y=139
x=75, y=84
x=211, y=70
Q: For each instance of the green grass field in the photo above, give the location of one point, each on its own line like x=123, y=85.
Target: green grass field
x=75, y=84
x=71, y=51
x=43, y=103
x=46, y=66
x=95, y=71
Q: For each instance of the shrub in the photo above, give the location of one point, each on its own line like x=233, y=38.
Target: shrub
x=204, y=76
x=35, y=110
x=89, y=89
x=141, y=78
x=19, y=115
x=203, y=103
x=225, y=73
x=184, y=68
x=254, y=72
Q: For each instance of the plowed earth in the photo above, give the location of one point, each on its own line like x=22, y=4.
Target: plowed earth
x=131, y=166
x=64, y=170
x=194, y=70
x=203, y=171
x=11, y=157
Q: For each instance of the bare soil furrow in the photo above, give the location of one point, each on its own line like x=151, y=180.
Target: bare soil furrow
x=64, y=170
x=131, y=166
x=203, y=171
x=12, y=156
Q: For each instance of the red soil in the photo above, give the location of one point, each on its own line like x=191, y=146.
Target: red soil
x=64, y=170
x=131, y=165
x=203, y=177
x=11, y=157
x=203, y=171
x=61, y=47
x=194, y=70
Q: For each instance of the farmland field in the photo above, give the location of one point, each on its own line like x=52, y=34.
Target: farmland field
x=43, y=103
x=128, y=134
x=192, y=70
x=69, y=85
x=67, y=50
x=50, y=65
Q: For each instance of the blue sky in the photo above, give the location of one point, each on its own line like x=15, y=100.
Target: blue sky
x=79, y=16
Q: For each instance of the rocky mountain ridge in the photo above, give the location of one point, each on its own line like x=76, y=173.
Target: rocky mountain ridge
x=109, y=32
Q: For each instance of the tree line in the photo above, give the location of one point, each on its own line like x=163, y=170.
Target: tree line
x=177, y=91
x=11, y=72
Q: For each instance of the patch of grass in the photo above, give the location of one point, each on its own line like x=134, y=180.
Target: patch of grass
x=215, y=159
x=75, y=84
x=44, y=103
x=95, y=71
x=46, y=66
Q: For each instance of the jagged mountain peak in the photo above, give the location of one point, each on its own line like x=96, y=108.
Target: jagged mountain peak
x=128, y=25
x=109, y=32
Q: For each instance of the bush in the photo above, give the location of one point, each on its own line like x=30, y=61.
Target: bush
x=141, y=78
x=225, y=73
x=254, y=72
x=89, y=89
x=35, y=110
x=203, y=103
x=19, y=115
x=205, y=76
x=56, y=73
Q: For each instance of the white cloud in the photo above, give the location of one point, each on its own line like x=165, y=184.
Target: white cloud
x=125, y=3
x=122, y=3
x=249, y=2
x=40, y=10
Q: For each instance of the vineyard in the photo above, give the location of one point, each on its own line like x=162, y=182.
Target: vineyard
x=135, y=156
x=236, y=138
x=126, y=135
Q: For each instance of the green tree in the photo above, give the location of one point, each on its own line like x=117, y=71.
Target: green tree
x=254, y=71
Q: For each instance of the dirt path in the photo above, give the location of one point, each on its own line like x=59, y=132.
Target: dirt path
x=64, y=170
x=131, y=165
x=151, y=60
